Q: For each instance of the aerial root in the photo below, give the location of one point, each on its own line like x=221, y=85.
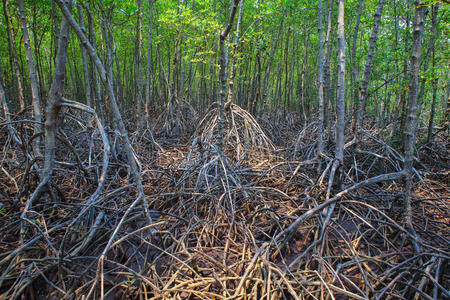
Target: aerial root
x=243, y=136
x=174, y=121
x=222, y=229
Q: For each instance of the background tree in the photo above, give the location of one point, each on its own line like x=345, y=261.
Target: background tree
x=411, y=121
x=35, y=99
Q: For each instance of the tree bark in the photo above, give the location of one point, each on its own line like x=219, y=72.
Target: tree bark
x=55, y=97
x=320, y=98
x=303, y=78
x=223, y=74
x=433, y=108
x=447, y=110
x=52, y=110
x=33, y=78
x=13, y=54
x=6, y=113
x=38, y=55
x=396, y=63
x=368, y=67
x=411, y=119
x=97, y=87
x=281, y=85
x=183, y=64
x=430, y=50
x=138, y=71
x=233, y=58
x=87, y=82
x=173, y=92
x=340, y=103
x=108, y=41
x=269, y=65
x=8, y=37
x=338, y=164
x=149, y=62
x=402, y=106
x=328, y=108
x=256, y=83
x=108, y=82
x=354, y=62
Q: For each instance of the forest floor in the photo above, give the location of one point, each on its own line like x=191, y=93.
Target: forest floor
x=249, y=224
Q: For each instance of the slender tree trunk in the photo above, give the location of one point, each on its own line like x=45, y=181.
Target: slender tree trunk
x=55, y=95
x=293, y=60
x=138, y=71
x=33, y=78
x=283, y=84
x=53, y=108
x=277, y=90
x=402, y=106
x=385, y=101
x=37, y=54
x=149, y=62
x=99, y=103
x=320, y=99
x=173, y=92
x=338, y=164
x=121, y=80
x=108, y=82
x=411, y=120
x=213, y=73
x=233, y=58
x=368, y=67
x=269, y=65
x=183, y=64
x=326, y=67
x=435, y=24
x=223, y=74
x=108, y=40
x=6, y=113
x=433, y=108
x=55, y=27
x=250, y=80
x=340, y=103
x=132, y=161
x=446, y=119
x=435, y=78
x=256, y=84
x=8, y=37
x=355, y=63
x=396, y=64
x=13, y=53
x=87, y=82
x=333, y=96
x=303, y=77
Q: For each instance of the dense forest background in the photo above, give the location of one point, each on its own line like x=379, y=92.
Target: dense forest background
x=244, y=149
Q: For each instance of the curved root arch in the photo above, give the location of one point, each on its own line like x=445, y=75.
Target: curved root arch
x=242, y=135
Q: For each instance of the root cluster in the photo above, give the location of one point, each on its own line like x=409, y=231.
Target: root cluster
x=248, y=224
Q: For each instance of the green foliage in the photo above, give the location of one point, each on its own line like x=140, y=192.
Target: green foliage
x=199, y=23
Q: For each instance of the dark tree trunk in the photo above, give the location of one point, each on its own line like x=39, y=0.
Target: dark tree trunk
x=13, y=54
x=340, y=102
x=354, y=62
x=223, y=75
x=368, y=67
x=87, y=82
x=149, y=68
x=138, y=71
x=411, y=120
x=33, y=78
